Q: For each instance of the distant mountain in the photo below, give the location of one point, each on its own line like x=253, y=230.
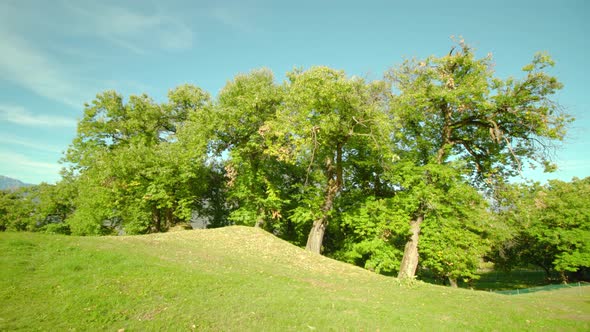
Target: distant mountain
x=9, y=183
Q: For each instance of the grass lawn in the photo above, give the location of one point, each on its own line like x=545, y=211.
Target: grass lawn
x=242, y=279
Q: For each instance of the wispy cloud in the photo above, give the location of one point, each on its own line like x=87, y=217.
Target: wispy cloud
x=27, y=143
x=46, y=62
x=28, y=67
x=237, y=18
x=131, y=29
x=21, y=160
x=20, y=116
x=21, y=167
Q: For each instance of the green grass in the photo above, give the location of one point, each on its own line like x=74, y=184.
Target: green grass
x=241, y=279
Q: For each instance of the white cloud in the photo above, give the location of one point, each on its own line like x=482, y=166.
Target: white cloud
x=24, y=161
x=47, y=63
x=133, y=30
x=36, y=145
x=28, y=67
x=28, y=170
x=20, y=116
x=237, y=18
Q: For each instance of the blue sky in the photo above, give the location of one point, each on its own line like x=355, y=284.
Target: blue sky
x=57, y=55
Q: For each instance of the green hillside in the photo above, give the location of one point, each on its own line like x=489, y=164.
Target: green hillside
x=240, y=278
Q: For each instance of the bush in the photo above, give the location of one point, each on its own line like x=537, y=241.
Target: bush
x=56, y=228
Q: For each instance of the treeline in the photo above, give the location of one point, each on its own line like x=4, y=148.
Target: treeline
x=393, y=175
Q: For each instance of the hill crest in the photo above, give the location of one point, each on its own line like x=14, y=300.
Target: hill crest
x=251, y=244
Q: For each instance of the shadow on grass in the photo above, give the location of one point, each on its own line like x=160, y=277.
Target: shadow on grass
x=497, y=280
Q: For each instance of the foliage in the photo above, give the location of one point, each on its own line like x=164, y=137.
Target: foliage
x=373, y=232
x=16, y=209
x=32, y=208
x=451, y=111
x=386, y=174
x=94, y=208
x=551, y=226
x=453, y=106
x=258, y=184
x=456, y=234
x=130, y=170
x=57, y=228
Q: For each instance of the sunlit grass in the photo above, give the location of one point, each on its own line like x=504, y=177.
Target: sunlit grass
x=240, y=278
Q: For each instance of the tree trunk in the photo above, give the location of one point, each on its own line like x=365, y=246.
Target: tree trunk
x=156, y=220
x=339, y=176
x=259, y=223
x=547, y=272
x=260, y=219
x=453, y=282
x=410, y=259
x=563, y=277
x=170, y=220
x=316, y=235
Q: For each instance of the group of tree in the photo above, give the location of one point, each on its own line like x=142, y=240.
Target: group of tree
x=391, y=174
x=548, y=226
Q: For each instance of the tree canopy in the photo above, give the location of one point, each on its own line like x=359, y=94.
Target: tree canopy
x=549, y=227
x=401, y=174
x=455, y=114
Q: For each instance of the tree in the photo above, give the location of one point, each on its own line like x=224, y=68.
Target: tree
x=373, y=230
x=564, y=210
x=451, y=110
x=323, y=114
x=457, y=234
x=131, y=169
x=17, y=209
x=551, y=227
x=95, y=212
x=377, y=166
x=257, y=183
x=42, y=207
x=54, y=203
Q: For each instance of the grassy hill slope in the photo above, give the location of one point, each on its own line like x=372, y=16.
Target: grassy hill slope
x=240, y=278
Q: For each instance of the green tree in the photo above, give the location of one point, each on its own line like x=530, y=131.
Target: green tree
x=198, y=155
x=131, y=169
x=17, y=209
x=564, y=210
x=257, y=183
x=373, y=230
x=451, y=110
x=94, y=212
x=551, y=227
x=457, y=233
x=54, y=203
x=323, y=117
